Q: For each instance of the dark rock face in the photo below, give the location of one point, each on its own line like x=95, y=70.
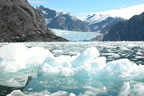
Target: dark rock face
x=20, y=22
x=60, y=20
x=65, y=22
x=131, y=30
x=49, y=13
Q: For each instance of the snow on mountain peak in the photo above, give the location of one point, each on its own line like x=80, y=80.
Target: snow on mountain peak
x=125, y=13
x=95, y=18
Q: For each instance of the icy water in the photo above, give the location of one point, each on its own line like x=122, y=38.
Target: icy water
x=74, y=69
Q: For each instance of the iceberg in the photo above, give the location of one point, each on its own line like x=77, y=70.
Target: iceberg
x=18, y=63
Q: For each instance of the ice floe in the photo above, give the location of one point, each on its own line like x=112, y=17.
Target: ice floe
x=87, y=69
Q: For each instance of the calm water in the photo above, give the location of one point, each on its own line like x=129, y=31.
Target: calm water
x=121, y=75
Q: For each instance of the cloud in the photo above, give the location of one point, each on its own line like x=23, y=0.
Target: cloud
x=125, y=12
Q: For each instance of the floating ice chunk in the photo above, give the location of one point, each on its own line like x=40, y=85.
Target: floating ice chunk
x=86, y=56
x=96, y=65
x=36, y=55
x=60, y=93
x=72, y=94
x=16, y=57
x=123, y=65
x=116, y=55
x=51, y=61
x=138, y=89
x=11, y=65
x=91, y=64
x=12, y=51
x=87, y=70
x=42, y=93
x=62, y=59
x=124, y=69
x=58, y=61
x=120, y=68
x=49, y=72
x=124, y=48
x=16, y=93
x=94, y=92
x=15, y=82
x=80, y=73
x=55, y=67
x=125, y=90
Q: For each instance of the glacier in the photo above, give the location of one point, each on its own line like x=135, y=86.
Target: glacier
x=85, y=74
x=75, y=36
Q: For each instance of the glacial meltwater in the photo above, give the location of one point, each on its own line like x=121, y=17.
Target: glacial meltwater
x=72, y=69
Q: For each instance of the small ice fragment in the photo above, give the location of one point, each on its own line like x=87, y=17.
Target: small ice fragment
x=72, y=94
x=30, y=89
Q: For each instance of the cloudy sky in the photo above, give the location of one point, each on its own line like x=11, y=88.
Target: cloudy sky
x=125, y=8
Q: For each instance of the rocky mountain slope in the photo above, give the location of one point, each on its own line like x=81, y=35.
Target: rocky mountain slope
x=130, y=30
x=98, y=22
x=61, y=20
x=20, y=22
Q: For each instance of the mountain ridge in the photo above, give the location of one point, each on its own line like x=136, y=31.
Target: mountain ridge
x=65, y=21
x=61, y=20
x=130, y=30
x=98, y=22
x=19, y=22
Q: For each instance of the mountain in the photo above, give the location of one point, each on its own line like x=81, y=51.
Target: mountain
x=20, y=22
x=99, y=22
x=130, y=30
x=61, y=20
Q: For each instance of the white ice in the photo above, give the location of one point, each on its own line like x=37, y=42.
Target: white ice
x=43, y=93
x=16, y=57
x=86, y=69
x=88, y=55
x=75, y=35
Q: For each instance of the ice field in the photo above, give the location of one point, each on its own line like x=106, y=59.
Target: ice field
x=74, y=69
x=76, y=36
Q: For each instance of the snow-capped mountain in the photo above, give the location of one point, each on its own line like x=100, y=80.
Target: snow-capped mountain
x=62, y=20
x=95, y=18
x=125, y=13
x=99, y=22
x=65, y=21
x=103, y=20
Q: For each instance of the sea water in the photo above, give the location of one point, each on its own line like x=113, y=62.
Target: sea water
x=74, y=68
